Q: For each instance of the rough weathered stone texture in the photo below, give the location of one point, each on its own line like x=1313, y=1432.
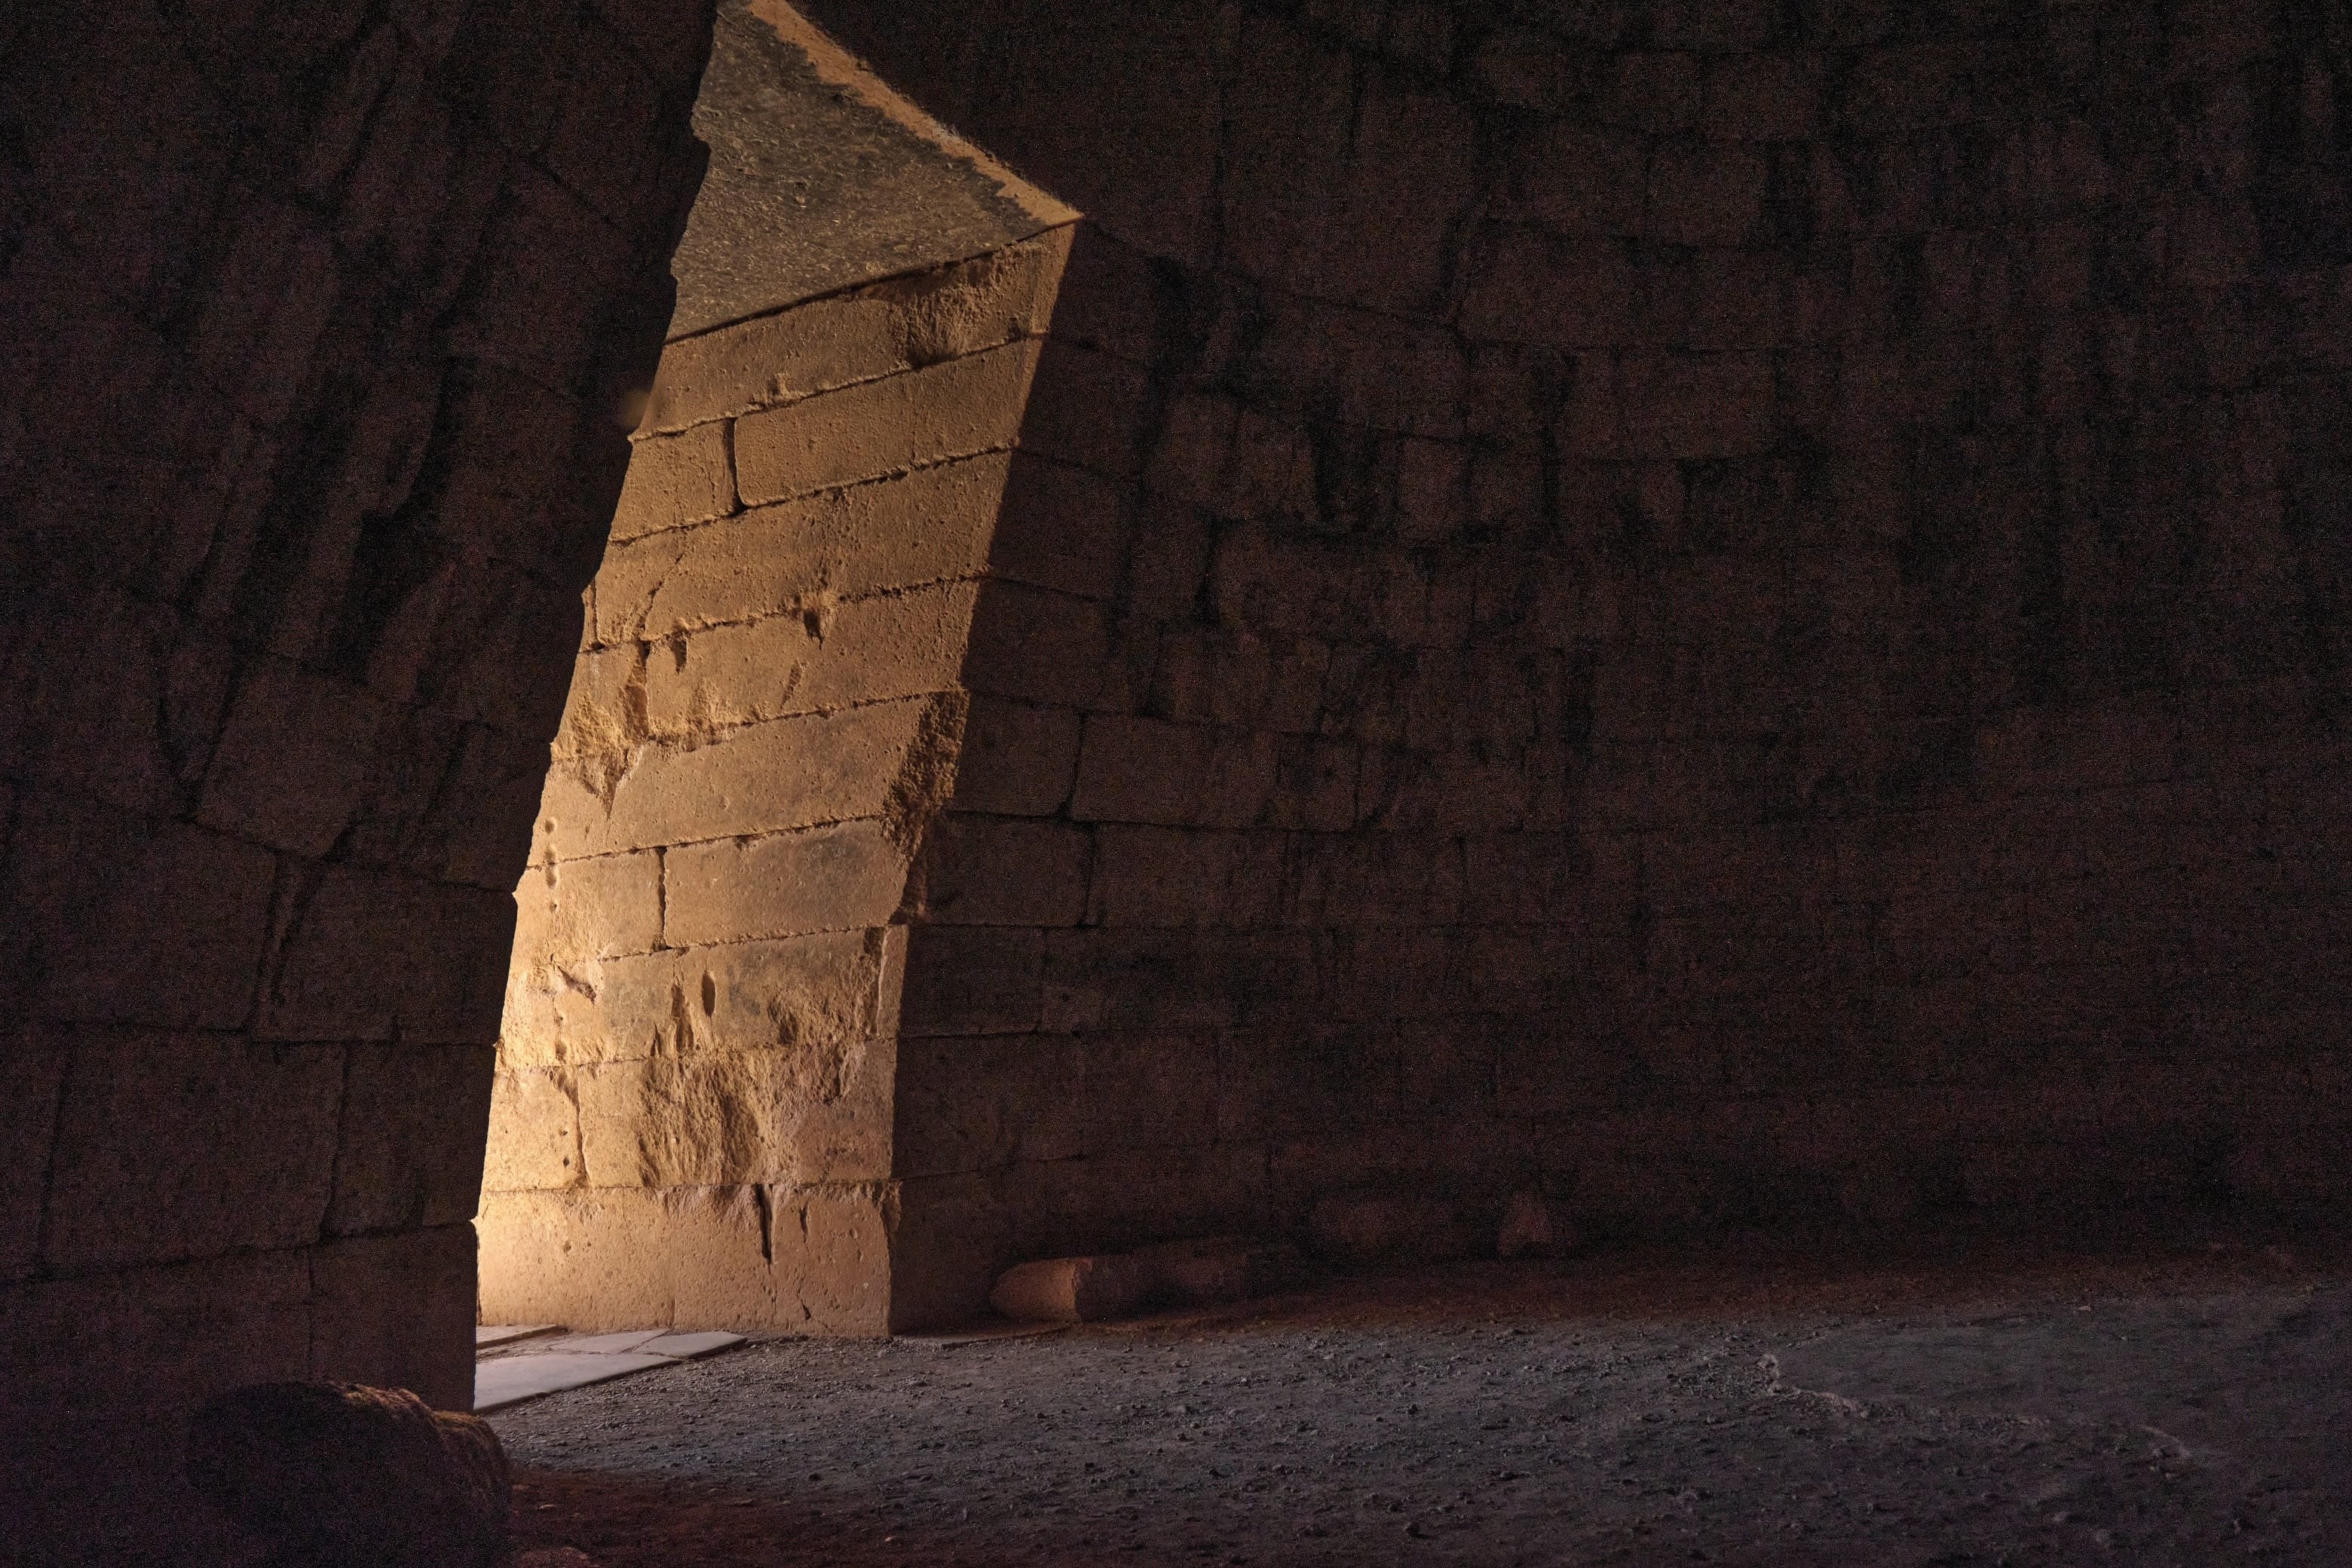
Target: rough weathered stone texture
x=314, y=326
x=695, y=1117
x=327, y=1472
x=1074, y=1290
x=1710, y=611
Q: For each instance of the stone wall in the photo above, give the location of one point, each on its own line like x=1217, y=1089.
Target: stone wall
x=1726, y=609
x=695, y=1112
x=318, y=328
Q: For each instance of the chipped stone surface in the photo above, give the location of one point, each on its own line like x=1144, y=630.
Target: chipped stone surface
x=1074, y=1290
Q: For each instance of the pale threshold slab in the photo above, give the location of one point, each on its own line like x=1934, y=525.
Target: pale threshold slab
x=511, y=1380
x=489, y=1336
x=687, y=1347
x=620, y=1343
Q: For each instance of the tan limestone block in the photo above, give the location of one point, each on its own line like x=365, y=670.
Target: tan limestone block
x=725, y=677
x=712, y=1118
x=590, y=1260
x=863, y=335
x=830, y=655
x=838, y=1276
x=741, y=996
x=929, y=526
x=960, y=409
x=602, y=906
x=744, y=1257
x=534, y=1142
x=890, y=645
x=847, y=876
x=793, y=354
x=796, y=772
x=675, y=481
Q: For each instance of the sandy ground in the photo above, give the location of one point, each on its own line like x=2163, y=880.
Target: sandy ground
x=2176, y=1398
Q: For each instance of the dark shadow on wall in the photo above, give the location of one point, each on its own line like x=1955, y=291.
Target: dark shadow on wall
x=314, y=326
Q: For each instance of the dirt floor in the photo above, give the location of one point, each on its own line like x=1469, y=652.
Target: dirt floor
x=2175, y=1397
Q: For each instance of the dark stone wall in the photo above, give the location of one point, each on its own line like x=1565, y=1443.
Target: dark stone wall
x=320, y=328
x=1722, y=609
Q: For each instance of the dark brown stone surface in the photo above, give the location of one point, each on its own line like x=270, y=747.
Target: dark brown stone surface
x=1723, y=611
x=320, y=328
x=312, y=1475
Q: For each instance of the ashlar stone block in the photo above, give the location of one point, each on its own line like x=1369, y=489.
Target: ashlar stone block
x=799, y=772
x=818, y=1112
x=202, y=1103
x=929, y=526
x=844, y=877
x=956, y=409
x=827, y=990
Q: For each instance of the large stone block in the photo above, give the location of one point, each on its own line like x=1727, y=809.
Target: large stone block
x=602, y=906
x=397, y=1312
x=833, y=654
x=980, y=1103
x=972, y=979
x=534, y=1135
x=828, y=990
x=929, y=526
x=1007, y=871
x=1175, y=877
x=864, y=335
x=96, y=1366
x=28, y=1119
x=675, y=481
x=370, y=956
x=1033, y=645
x=801, y=1260
x=1141, y=770
x=958, y=409
x=409, y=1152
x=845, y=877
x=1062, y=527
x=877, y=761
x=139, y=922
x=1141, y=979
x=818, y=1113
x=1018, y=759
x=200, y=1104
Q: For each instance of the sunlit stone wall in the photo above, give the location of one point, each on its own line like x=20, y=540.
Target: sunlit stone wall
x=694, y=1119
